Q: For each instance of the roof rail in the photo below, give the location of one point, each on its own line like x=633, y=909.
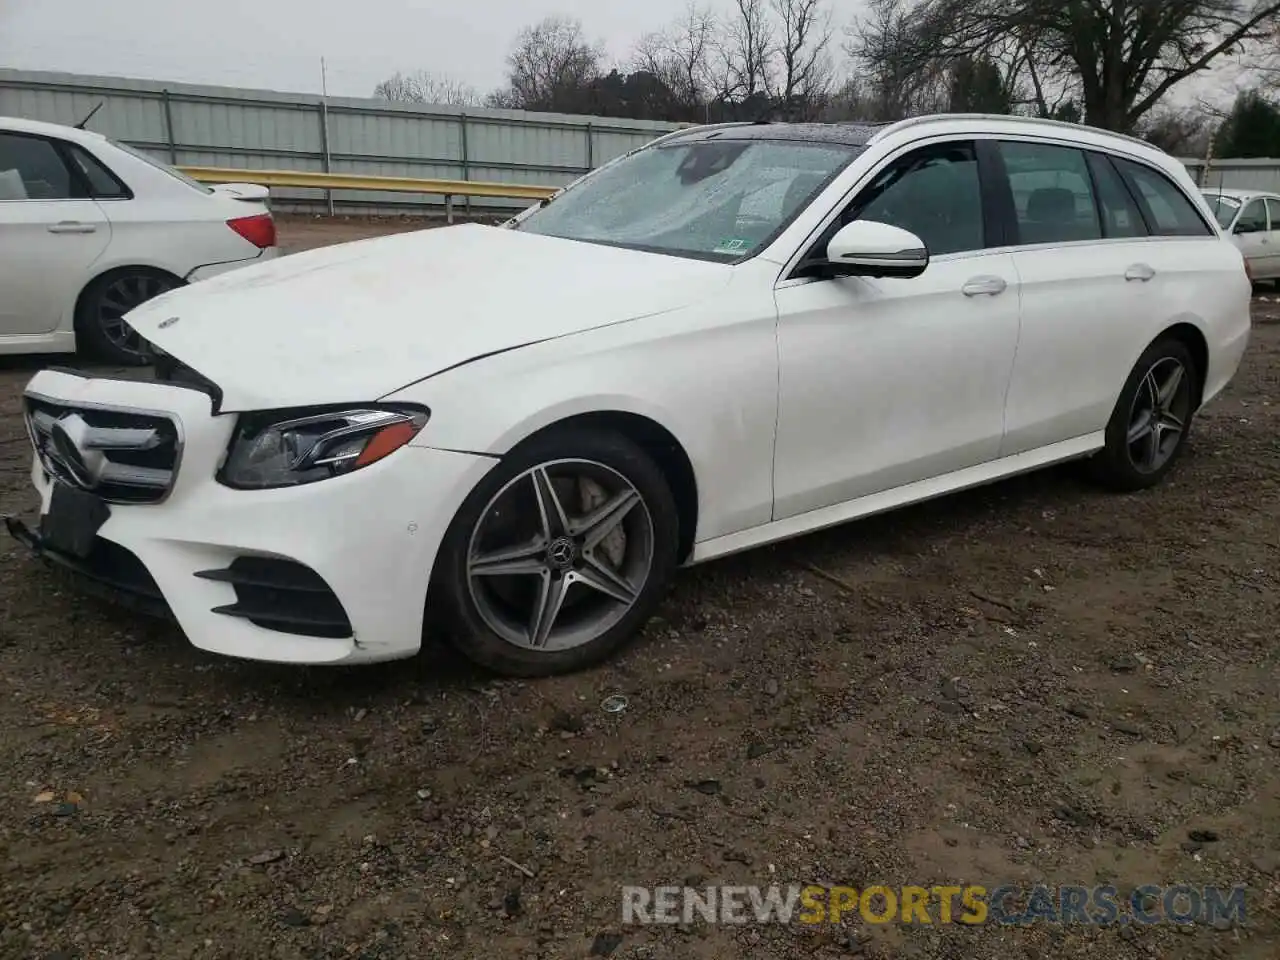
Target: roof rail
x=1029, y=121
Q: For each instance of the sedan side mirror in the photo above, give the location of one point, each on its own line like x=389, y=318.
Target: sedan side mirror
x=868, y=248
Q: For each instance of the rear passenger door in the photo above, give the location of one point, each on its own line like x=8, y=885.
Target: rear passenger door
x=1096, y=290
x=1082, y=258
x=1273, y=238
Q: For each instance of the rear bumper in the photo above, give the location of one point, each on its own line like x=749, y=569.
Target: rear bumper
x=214, y=269
x=337, y=570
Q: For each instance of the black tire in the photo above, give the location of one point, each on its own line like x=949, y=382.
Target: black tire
x=98, y=327
x=1125, y=466
x=451, y=603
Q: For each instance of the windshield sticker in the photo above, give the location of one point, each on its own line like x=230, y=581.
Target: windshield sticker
x=734, y=245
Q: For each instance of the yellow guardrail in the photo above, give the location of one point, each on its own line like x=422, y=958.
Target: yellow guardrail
x=343, y=181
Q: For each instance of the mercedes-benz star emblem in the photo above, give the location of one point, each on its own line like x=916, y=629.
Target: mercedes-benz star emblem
x=561, y=553
x=67, y=438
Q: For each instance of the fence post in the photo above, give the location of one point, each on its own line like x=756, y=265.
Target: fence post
x=324, y=150
x=448, y=208
x=168, y=127
x=466, y=159
x=591, y=150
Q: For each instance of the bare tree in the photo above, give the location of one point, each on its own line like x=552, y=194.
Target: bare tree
x=747, y=52
x=804, y=70
x=1122, y=55
x=424, y=87
x=551, y=67
x=681, y=56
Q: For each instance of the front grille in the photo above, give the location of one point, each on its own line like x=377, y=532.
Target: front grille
x=122, y=456
x=282, y=595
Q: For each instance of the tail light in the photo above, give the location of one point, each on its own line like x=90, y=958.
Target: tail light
x=260, y=229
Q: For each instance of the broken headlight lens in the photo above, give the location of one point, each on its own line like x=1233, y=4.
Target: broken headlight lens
x=275, y=450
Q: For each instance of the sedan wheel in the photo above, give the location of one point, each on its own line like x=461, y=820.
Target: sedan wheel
x=558, y=558
x=100, y=320
x=1152, y=418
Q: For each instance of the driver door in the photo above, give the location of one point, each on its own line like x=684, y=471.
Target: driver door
x=887, y=382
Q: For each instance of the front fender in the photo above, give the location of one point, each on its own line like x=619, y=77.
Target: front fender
x=711, y=382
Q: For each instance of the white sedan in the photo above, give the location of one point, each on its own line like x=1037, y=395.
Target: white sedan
x=1252, y=219
x=737, y=334
x=91, y=228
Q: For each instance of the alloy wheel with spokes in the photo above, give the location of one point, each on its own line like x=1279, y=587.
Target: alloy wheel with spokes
x=1158, y=415
x=1152, y=417
x=577, y=571
x=558, y=556
x=100, y=318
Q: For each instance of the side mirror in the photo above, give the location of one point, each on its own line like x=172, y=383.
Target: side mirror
x=868, y=248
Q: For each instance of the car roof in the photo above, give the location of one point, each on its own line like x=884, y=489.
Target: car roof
x=41, y=128
x=849, y=134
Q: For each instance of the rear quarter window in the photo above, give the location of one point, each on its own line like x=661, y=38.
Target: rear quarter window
x=1167, y=210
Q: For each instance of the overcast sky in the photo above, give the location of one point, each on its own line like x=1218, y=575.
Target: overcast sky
x=278, y=44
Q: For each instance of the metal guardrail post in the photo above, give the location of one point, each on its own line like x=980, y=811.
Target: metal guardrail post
x=466, y=159
x=324, y=149
x=168, y=126
x=591, y=149
x=448, y=207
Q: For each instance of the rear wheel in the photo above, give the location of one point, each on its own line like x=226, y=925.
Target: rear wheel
x=1152, y=419
x=100, y=323
x=559, y=556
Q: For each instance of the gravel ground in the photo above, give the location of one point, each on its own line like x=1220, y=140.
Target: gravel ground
x=1032, y=682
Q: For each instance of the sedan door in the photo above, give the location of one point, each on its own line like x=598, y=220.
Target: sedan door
x=50, y=235
x=886, y=382
x=1252, y=235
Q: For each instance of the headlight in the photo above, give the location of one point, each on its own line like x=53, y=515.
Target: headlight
x=269, y=450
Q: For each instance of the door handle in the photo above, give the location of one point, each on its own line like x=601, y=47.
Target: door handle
x=1139, y=271
x=72, y=226
x=978, y=286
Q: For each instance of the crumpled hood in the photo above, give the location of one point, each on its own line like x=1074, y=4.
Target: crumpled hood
x=357, y=321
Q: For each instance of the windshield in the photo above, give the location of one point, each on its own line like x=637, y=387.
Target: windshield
x=159, y=165
x=711, y=199
x=1224, y=208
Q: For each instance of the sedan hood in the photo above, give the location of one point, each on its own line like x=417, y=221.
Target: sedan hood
x=357, y=321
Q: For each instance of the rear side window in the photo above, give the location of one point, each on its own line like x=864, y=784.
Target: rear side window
x=32, y=169
x=1052, y=193
x=103, y=184
x=1273, y=208
x=1120, y=214
x=1167, y=210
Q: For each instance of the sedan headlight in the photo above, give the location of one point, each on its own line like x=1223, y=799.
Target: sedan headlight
x=270, y=450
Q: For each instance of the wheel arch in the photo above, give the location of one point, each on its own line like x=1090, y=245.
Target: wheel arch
x=1195, y=341
x=657, y=441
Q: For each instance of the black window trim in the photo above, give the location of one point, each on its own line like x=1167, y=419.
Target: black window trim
x=1095, y=159
x=82, y=188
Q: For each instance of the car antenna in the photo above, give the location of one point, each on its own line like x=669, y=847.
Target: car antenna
x=89, y=115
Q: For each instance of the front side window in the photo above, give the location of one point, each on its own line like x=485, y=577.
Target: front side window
x=1052, y=193
x=31, y=169
x=1224, y=208
x=715, y=199
x=933, y=193
x=1168, y=211
x=1253, y=219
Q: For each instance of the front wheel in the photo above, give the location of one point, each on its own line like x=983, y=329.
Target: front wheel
x=559, y=556
x=1152, y=418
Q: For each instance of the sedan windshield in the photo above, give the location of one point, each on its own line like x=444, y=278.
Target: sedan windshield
x=1224, y=208
x=711, y=199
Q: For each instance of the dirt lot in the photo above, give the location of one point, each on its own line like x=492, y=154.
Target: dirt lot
x=1034, y=682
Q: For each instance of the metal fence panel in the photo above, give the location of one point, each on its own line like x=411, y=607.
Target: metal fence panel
x=199, y=125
